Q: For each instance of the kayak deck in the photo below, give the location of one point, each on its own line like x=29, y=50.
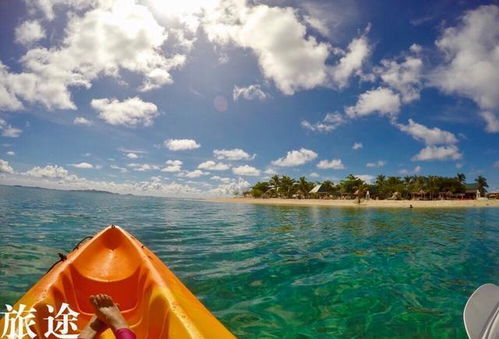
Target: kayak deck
x=152, y=299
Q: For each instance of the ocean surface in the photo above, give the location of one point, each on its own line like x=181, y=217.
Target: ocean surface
x=276, y=272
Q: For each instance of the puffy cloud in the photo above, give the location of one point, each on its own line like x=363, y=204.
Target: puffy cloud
x=251, y=92
x=221, y=179
x=295, y=158
x=82, y=121
x=450, y=152
x=229, y=188
x=213, y=166
x=50, y=171
x=379, y=163
x=11, y=153
x=113, y=36
x=232, y=154
x=357, y=52
x=365, y=177
x=131, y=112
x=6, y=130
x=181, y=144
x=5, y=167
x=285, y=53
x=471, y=67
x=83, y=165
x=121, y=169
x=491, y=120
x=143, y=167
x=246, y=170
x=317, y=24
x=404, y=76
x=430, y=136
x=330, y=122
x=193, y=174
x=47, y=6
x=331, y=164
x=132, y=155
x=416, y=170
x=29, y=32
x=314, y=175
x=380, y=100
x=357, y=145
x=172, y=166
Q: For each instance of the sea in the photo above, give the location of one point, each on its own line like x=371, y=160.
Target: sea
x=276, y=272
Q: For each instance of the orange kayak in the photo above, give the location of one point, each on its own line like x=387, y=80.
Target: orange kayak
x=152, y=299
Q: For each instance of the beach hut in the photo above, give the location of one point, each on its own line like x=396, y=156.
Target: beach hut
x=493, y=195
x=421, y=195
x=471, y=191
x=319, y=191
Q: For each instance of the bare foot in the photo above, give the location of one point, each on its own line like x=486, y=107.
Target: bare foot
x=94, y=326
x=107, y=311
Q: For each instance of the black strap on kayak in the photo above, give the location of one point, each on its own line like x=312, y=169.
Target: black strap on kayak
x=63, y=257
x=81, y=241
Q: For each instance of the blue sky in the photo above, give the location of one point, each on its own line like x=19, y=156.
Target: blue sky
x=208, y=97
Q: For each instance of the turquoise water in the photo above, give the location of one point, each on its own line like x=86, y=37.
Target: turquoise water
x=275, y=272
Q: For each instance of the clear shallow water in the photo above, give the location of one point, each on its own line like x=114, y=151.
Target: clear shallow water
x=276, y=271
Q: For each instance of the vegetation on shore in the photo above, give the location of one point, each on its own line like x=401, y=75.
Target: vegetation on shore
x=391, y=187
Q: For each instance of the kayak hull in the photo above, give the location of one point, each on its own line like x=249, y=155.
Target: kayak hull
x=152, y=299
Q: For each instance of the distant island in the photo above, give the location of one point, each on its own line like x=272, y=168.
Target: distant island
x=55, y=189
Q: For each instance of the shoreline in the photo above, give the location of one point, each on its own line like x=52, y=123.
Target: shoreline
x=493, y=203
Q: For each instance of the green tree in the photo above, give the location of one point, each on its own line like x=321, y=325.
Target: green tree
x=286, y=186
x=482, y=184
x=304, y=186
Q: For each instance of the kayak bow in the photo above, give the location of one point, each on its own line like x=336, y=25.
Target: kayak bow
x=152, y=299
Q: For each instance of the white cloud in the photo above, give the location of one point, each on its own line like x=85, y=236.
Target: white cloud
x=82, y=121
x=223, y=180
x=121, y=169
x=430, y=136
x=51, y=171
x=143, y=167
x=491, y=120
x=213, y=166
x=130, y=112
x=379, y=163
x=357, y=52
x=380, y=100
x=193, y=174
x=47, y=6
x=172, y=166
x=5, y=167
x=330, y=122
x=251, y=92
x=246, y=170
x=83, y=165
x=471, y=66
x=331, y=164
x=181, y=144
x=234, y=186
x=314, y=175
x=357, y=145
x=270, y=171
x=29, y=32
x=416, y=170
x=232, y=154
x=112, y=36
x=404, y=77
x=11, y=153
x=6, y=130
x=132, y=155
x=365, y=177
x=450, y=152
x=318, y=24
x=295, y=158
x=285, y=53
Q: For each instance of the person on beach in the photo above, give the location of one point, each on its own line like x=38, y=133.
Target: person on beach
x=107, y=314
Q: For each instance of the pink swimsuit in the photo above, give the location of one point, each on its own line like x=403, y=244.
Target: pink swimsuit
x=122, y=333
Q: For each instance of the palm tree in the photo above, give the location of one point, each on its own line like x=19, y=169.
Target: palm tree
x=286, y=186
x=482, y=183
x=274, y=184
x=461, y=178
x=304, y=186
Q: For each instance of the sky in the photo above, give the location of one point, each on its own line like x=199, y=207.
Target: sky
x=207, y=97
